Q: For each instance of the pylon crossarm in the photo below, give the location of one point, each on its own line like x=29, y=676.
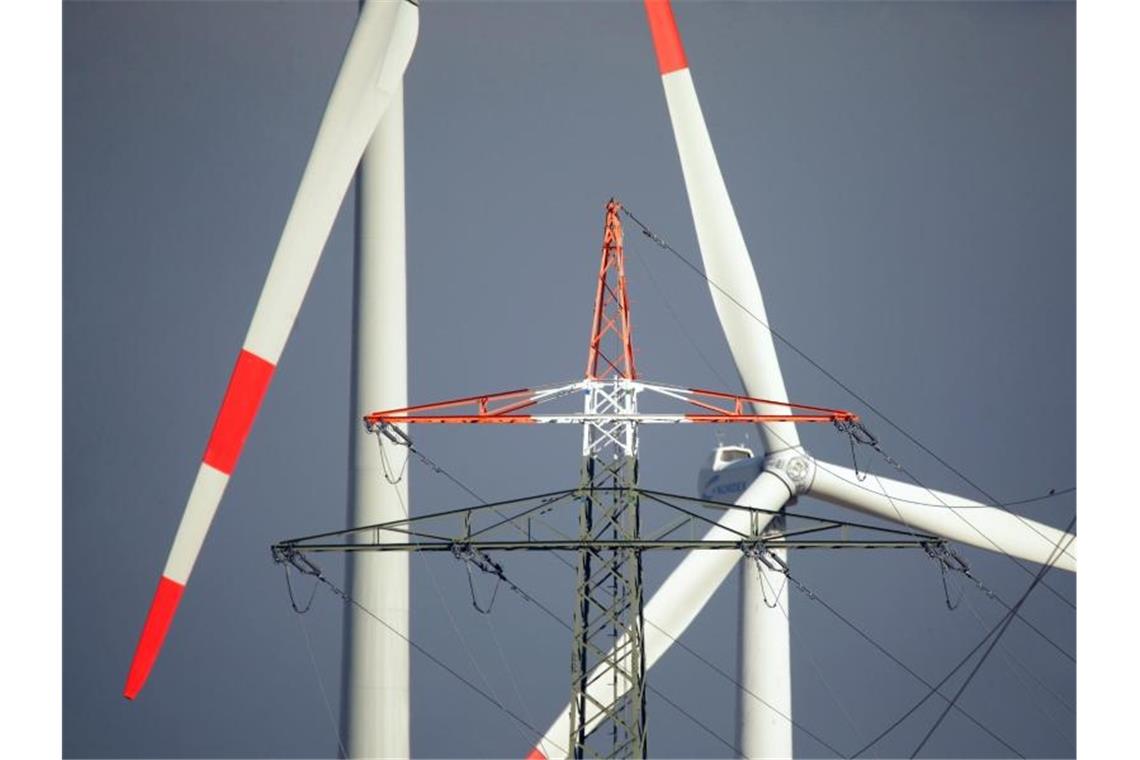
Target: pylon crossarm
x=528, y=523
x=696, y=406
x=286, y=549
x=526, y=504
x=725, y=506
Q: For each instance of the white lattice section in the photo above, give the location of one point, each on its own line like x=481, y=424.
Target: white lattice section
x=606, y=424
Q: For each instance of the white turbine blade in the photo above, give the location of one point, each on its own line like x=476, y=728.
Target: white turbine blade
x=683, y=595
x=373, y=70
x=960, y=520
x=733, y=282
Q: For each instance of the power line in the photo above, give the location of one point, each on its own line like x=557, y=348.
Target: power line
x=1029, y=671
x=933, y=690
x=1012, y=612
x=675, y=641
x=553, y=616
x=776, y=593
x=965, y=571
x=941, y=503
x=1028, y=624
x=1017, y=667
x=969, y=574
x=1002, y=627
x=1050, y=494
x=1004, y=621
x=345, y=596
x=394, y=483
x=700, y=273
x=527, y=597
x=320, y=679
x=681, y=323
x=435, y=467
x=867, y=637
x=874, y=444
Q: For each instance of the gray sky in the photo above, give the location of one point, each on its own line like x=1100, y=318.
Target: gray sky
x=903, y=172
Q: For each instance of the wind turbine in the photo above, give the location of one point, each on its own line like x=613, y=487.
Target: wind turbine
x=788, y=470
x=369, y=81
x=354, y=126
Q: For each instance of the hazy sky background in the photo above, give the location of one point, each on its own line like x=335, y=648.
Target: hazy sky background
x=903, y=173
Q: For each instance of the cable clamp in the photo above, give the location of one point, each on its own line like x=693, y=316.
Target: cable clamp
x=857, y=431
x=288, y=554
x=758, y=552
x=941, y=552
x=393, y=434
x=470, y=556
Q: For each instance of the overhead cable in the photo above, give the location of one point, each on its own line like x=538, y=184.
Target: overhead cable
x=831, y=376
x=496, y=570
x=310, y=569
x=780, y=566
x=1000, y=630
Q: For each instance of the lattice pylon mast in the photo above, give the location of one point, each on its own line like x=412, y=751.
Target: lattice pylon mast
x=606, y=715
x=608, y=641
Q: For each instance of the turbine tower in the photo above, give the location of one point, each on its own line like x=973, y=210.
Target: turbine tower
x=375, y=680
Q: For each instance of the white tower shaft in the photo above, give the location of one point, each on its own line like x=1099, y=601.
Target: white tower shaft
x=764, y=701
x=376, y=679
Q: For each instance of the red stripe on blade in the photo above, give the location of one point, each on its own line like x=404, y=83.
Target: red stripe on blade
x=536, y=754
x=666, y=38
x=153, y=633
x=247, y=387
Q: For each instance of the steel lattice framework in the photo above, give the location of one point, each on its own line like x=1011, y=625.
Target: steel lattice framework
x=608, y=613
x=607, y=710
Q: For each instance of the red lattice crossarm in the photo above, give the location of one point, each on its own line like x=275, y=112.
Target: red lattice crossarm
x=505, y=408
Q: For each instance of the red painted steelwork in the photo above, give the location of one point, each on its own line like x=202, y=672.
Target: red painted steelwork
x=489, y=410
x=827, y=414
x=611, y=331
x=611, y=306
x=485, y=409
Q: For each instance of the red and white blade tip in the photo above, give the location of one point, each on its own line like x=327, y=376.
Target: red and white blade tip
x=162, y=609
x=666, y=38
x=536, y=754
x=247, y=387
